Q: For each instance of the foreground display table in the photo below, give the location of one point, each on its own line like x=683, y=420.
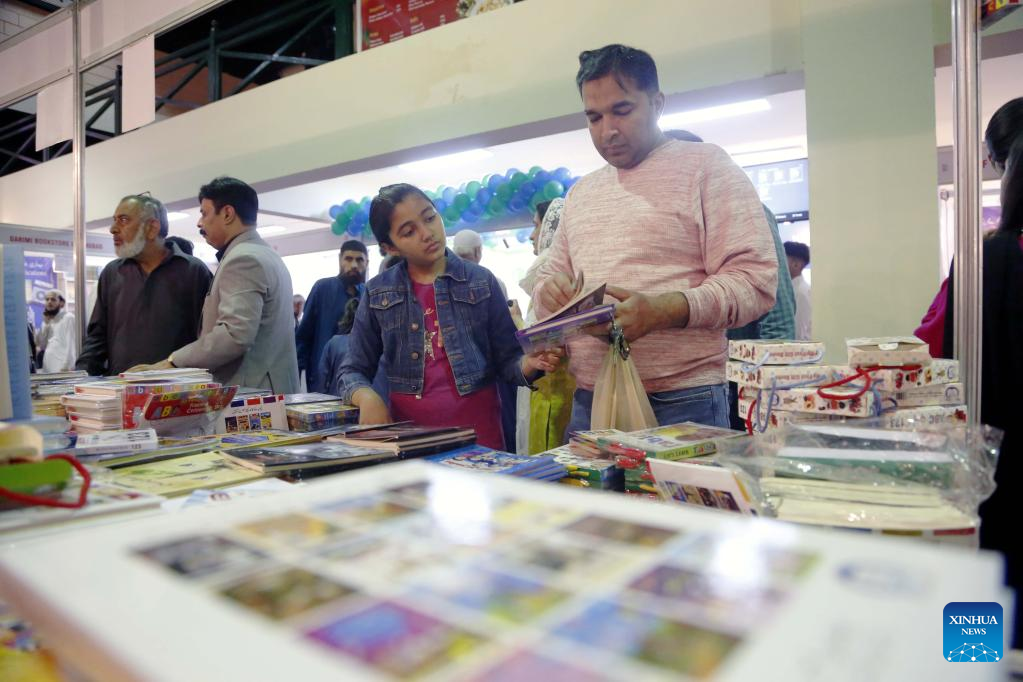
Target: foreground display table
x=411, y=570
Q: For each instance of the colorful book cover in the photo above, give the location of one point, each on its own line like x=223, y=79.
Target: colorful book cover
x=136, y=396
x=480, y=458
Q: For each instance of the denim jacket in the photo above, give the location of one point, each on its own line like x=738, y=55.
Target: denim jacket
x=478, y=332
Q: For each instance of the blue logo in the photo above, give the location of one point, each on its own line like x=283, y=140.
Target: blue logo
x=973, y=632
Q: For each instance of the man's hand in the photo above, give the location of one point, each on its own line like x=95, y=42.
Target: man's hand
x=372, y=409
x=557, y=291
x=543, y=361
x=638, y=314
x=163, y=364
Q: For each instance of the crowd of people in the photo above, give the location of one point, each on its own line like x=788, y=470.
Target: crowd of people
x=431, y=338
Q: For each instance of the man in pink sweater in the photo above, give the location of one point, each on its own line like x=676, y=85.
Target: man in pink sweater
x=676, y=230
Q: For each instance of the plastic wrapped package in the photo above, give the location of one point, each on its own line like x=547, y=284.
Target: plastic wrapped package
x=926, y=479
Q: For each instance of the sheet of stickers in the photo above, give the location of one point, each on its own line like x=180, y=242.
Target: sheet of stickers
x=412, y=571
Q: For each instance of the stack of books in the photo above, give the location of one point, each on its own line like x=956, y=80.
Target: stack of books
x=630, y=451
x=110, y=442
x=784, y=382
x=597, y=473
x=407, y=440
x=480, y=458
x=99, y=409
x=313, y=416
x=118, y=403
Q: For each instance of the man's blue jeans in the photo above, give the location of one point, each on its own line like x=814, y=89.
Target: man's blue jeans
x=703, y=405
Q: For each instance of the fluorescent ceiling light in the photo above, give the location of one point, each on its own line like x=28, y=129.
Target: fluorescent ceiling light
x=447, y=161
x=176, y=215
x=683, y=118
x=270, y=229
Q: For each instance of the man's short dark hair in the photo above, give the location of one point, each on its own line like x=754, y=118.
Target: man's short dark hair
x=354, y=245
x=225, y=191
x=621, y=62
x=683, y=136
x=798, y=250
x=183, y=244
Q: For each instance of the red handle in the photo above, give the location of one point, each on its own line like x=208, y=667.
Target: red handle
x=83, y=494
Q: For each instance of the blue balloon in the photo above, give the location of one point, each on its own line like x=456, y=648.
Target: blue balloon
x=334, y=211
x=542, y=178
x=561, y=174
x=478, y=206
x=449, y=194
x=516, y=204
x=484, y=196
x=510, y=173
x=364, y=204
x=522, y=236
x=494, y=182
x=528, y=188
x=469, y=216
x=358, y=221
x=440, y=204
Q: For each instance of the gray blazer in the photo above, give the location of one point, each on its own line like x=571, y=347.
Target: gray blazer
x=247, y=335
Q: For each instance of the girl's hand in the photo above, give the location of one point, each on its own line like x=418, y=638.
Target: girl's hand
x=543, y=361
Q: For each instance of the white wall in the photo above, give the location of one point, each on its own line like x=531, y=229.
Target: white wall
x=506, y=68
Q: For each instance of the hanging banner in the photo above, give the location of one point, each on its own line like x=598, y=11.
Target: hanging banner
x=387, y=21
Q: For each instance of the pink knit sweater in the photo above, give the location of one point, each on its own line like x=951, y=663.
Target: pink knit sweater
x=686, y=219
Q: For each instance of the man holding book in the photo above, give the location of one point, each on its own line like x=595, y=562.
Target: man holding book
x=697, y=258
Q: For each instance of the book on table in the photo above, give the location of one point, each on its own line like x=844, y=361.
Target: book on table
x=105, y=442
x=585, y=309
x=408, y=439
x=310, y=456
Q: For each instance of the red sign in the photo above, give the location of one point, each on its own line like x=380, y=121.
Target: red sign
x=385, y=21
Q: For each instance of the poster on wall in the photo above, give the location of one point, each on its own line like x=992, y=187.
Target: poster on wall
x=387, y=21
x=39, y=278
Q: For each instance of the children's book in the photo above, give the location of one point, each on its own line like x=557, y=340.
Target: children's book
x=290, y=457
x=184, y=474
x=585, y=309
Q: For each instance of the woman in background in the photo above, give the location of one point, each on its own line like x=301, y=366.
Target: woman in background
x=1002, y=347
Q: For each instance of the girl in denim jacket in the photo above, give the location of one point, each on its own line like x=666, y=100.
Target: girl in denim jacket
x=440, y=323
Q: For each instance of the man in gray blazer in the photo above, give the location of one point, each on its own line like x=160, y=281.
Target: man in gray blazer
x=247, y=335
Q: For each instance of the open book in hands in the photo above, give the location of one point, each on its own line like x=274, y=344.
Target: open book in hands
x=585, y=309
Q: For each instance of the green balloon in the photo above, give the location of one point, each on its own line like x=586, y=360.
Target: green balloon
x=461, y=203
x=472, y=188
x=337, y=228
x=495, y=207
x=518, y=180
x=533, y=171
x=504, y=192
x=452, y=214
x=351, y=210
x=553, y=189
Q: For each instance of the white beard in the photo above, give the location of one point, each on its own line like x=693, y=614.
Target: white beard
x=134, y=247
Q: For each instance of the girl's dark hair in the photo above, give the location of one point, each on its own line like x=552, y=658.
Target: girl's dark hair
x=347, y=321
x=1003, y=128
x=382, y=208
x=1012, y=189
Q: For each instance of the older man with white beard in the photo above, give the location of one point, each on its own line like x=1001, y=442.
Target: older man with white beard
x=149, y=301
